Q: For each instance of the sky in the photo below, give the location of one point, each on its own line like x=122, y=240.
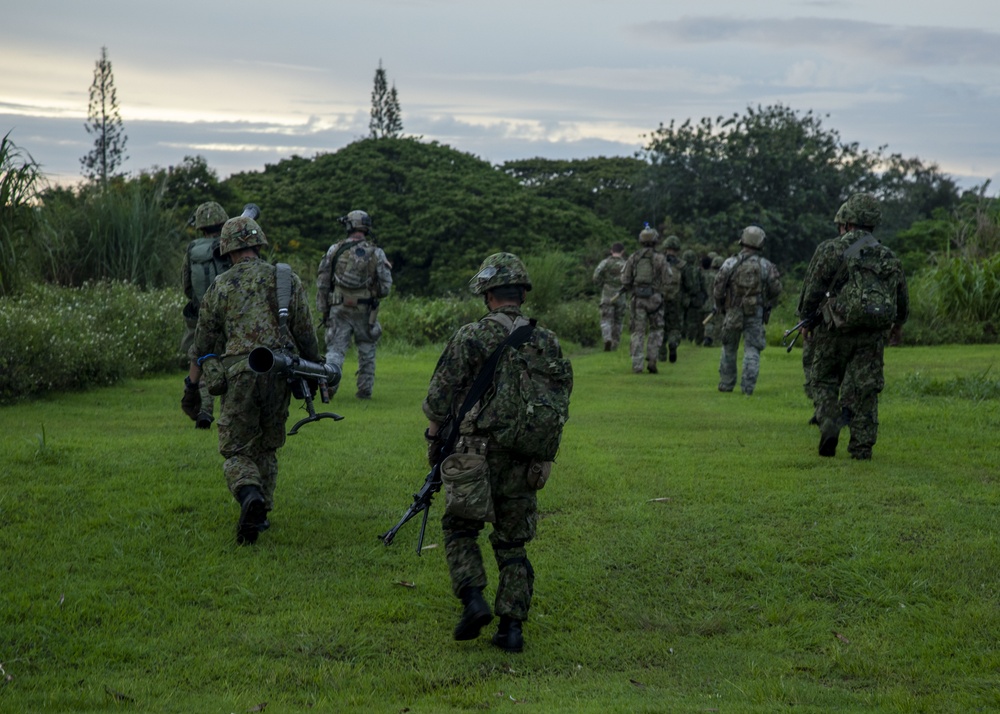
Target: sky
x=246, y=84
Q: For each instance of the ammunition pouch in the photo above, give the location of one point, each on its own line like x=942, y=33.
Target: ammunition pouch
x=466, y=477
x=215, y=372
x=643, y=291
x=538, y=474
x=350, y=297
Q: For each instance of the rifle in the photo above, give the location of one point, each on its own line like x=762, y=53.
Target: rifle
x=804, y=324
x=432, y=484
x=299, y=372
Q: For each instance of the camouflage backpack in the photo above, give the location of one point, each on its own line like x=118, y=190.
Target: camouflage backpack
x=671, y=282
x=867, y=301
x=528, y=404
x=748, y=281
x=205, y=263
x=642, y=281
x=354, y=265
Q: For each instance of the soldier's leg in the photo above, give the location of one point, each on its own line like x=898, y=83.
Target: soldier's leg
x=637, y=326
x=864, y=380
x=275, y=397
x=618, y=317
x=727, y=361
x=830, y=357
x=673, y=326
x=753, y=344
x=338, y=339
x=465, y=562
x=366, y=340
x=239, y=432
x=655, y=343
x=607, y=323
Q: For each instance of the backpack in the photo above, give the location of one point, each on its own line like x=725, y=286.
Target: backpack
x=354, y=265
x=642, y=280
x=748, y=282
x=867, y=301
x=528, y=404
x=205, y=263
x=671, y=282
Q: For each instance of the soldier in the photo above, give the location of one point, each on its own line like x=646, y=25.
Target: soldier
x=709, y=269
x=238, y=313
x=353, y=277
x=858, y=286
x=809, y=335
x=744, y=291
x=608, y=275
x=645, y=276
x=679, y=291
x=503, y=282
x=693, y=313
x=202, y=262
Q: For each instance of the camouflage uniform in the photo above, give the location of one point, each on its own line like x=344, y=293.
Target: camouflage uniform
x=645, y=313
x=693, y=313
x=240, y=312
x=349, y=310
x=713, y=328
x=608, y=275
x=847, y=365
x=744, y=314
x=208, y=219
x=674, y=307
x=514, y=501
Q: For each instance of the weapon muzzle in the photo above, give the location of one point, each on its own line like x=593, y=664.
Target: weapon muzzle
x=263, y=360
x=251, y=210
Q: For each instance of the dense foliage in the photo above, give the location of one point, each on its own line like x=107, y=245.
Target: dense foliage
x=437, y=211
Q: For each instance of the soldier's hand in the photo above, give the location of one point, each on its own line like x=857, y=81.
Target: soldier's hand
x=191, y=401
x=433, y=447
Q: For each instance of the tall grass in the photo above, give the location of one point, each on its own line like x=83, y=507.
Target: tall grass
x=20, y=179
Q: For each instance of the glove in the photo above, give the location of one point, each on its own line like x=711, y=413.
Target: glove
x=433, y=448
x=191, y=401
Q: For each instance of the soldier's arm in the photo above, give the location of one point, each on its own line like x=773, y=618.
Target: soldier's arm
x=300, y=319
x=384, y=273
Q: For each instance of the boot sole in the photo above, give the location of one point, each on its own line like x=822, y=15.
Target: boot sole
x=470, y=630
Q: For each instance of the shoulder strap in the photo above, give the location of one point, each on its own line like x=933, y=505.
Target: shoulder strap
x=344, y=245
x=283, y=285
x=852, y=251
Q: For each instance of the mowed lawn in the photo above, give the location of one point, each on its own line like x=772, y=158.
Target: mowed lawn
x=694, y=554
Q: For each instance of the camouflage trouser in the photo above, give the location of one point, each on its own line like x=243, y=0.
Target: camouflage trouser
x=345, y=321
x=693, y=329
x=251, y=429
x=516, y=508
x=646, y=317
x=847, y=379
x=751, y=328
x=187, y=339
x=713, y=330
x=612, y=317
x=673, y=325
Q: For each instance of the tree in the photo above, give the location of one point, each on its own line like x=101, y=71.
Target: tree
x=105, y=123
x=386, y=116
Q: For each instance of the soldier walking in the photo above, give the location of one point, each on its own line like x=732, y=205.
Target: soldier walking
x=644, y=277
x=608, y=275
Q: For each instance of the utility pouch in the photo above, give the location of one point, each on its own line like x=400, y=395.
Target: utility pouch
x=643, y=291
x=213, y=374
x=538, y=474
x=749, y=305
x=828, y=308
x=466, y=477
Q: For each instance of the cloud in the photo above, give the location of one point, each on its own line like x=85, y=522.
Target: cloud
x=899, y=45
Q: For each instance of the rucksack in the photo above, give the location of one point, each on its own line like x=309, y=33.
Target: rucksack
x=671, y=282
x=867, y=301
x=354, y=265
x=642, y=280
x=205, y=263
x=528, y=404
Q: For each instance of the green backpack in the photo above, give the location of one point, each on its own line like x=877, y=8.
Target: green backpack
x=528, y=405
x=867, y=301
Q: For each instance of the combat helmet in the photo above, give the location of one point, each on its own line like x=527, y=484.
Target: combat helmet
x=209, y=214
x=753, y=237
x=240, y=232
x=717, y=262
x=357, y=221
x=498, y=270
x=863, y=209
x=841, y=216
x=672, y=243
x=648, y=235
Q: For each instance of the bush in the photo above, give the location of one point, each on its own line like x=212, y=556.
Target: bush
x=72, y=338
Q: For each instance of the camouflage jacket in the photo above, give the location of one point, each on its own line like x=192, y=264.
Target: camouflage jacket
x=463, y=358
x=240, y=312
x=824, y=266
x=608, y=274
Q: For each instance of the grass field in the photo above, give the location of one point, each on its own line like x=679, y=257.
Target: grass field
x=694, y=554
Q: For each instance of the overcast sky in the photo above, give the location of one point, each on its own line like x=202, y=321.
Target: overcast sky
x=248, y=83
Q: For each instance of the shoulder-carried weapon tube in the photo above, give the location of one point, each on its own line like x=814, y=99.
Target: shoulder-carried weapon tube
x=805, y=323
x=300, y=372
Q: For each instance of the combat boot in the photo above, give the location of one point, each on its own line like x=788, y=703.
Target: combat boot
x=253, y=515
x=651, y=366
x=204, y=421
x=607, y=345
x=475, y=616
x=673, y=353
x=508, y=636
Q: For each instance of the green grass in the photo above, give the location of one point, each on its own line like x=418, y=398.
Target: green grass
x=769, y=579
